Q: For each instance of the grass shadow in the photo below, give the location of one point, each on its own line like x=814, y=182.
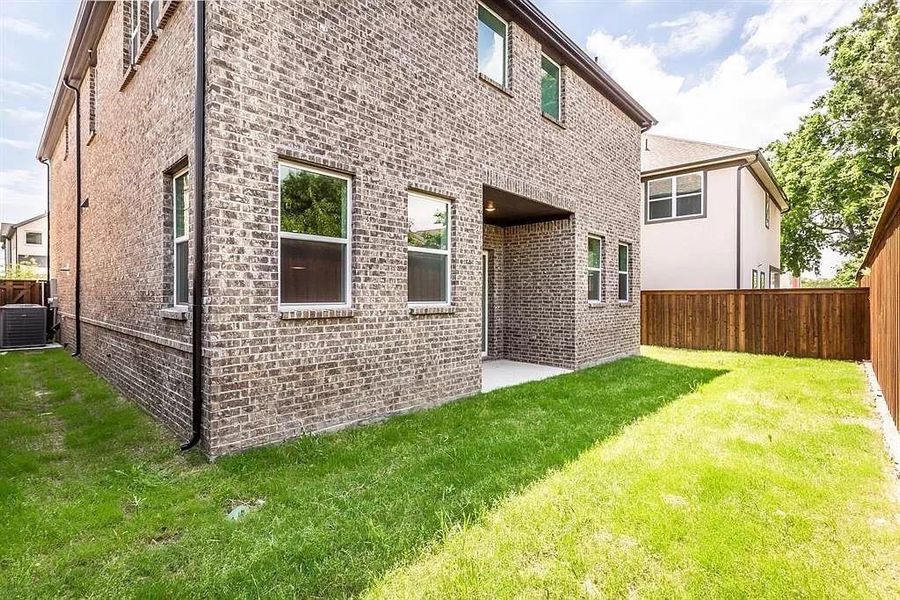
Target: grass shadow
x=339, y=510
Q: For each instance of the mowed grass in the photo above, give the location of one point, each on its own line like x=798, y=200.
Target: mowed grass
x=672, y=474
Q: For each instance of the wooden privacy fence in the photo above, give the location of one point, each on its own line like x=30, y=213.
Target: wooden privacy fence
x=21, y=291
x=821, y=323
x=880, y=272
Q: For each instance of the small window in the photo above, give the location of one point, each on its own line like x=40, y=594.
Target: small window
x=134, y=35
x=492, y=32
x=768, y=209
x=754, y=279
x=314, y=236
x=428, y=239
x=180, y=238
x=595, y=269
x=33, y=237
x=624, y=272
x=92, y=99
x=154, y=14
x=66, y=151
x=550, y=88
x=675, y=197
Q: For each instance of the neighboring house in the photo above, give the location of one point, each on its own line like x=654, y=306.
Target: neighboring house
x=393, y=191
x=711, y=217
x=25, y=243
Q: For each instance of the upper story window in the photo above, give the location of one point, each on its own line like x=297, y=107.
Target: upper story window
x=180, y=238
x=33, y=237
x=154, y=13
x=492, y=46
x=595, y=269
x=134, y=32
x=314, y=236
x=550, y=88
x=674, y=197
x=624, y=272
x=768, y=209
x=428, y=239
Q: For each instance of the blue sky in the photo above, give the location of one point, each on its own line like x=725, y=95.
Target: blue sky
x=737, y=73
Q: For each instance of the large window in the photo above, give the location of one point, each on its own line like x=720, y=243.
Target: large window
x=550, y=88
x=675, y=197
x=180, y=238
x=428, y=238
x=595, y=269
x=33, y=237
x=624, y=272
x=492, y=32
x=314, y=236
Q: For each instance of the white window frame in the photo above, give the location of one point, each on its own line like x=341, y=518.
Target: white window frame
x=558, y=89
x=38, y=233
x=448, y=252
x=348, y=256
x=182, y=239
x=505, y=81
x=768, y=210
x=598, y=270
x=673, y=198
x=134, y=46
x=626, y=272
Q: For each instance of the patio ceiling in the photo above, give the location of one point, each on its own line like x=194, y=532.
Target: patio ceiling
x=505, y=209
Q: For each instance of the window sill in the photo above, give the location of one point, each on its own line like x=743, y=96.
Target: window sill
x=597, y=304
x=553, y=120
x=299, y=314
x=129, y=75
x=145, y=47
x=166, y=13
x=175, y=313
x=625, y=303
x=91, y=137
x=494, y=84
x=432, y=309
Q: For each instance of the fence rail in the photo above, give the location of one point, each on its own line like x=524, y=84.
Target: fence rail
x=821, y=323
x=21, y=291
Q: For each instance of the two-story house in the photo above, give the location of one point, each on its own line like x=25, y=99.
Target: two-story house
x=711, y=217
x=25, y=244
x=287, y=217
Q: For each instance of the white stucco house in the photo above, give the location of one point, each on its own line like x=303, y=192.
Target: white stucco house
x=711, y=217
x=25, y=243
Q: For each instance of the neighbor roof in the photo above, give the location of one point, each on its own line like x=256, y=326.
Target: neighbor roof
x=661, y=154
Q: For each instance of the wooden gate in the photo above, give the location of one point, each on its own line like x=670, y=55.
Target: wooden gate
x=21, y=291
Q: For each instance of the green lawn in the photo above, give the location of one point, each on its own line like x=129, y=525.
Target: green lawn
x=676, y=474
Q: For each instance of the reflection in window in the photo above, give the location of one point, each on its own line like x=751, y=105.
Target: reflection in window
x=428, y=239
x=492, y=31
x=595, y=272
x=314, y=232
x=550, y=88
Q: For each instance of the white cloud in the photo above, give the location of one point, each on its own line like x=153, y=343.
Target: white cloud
x=23, y=27
x=17, y=144
x=21, y=193
x=18, y=88
x=789, y=24
x=736, y=104
x=22, y=115
x=696, y=31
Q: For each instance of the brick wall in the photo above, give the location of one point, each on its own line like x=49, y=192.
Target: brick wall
x=387, y=93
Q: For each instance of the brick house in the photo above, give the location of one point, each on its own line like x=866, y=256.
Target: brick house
x=390, y=194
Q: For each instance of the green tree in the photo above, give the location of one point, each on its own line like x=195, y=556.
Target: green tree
x=313, y=204
x=837, y=165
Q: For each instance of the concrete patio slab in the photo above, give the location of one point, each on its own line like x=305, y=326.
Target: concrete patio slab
x=502, y=373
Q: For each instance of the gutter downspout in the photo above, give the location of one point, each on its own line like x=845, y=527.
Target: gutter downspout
x=199, y=191
x=66, y=83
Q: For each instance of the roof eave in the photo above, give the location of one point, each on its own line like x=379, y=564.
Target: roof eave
x=88, y=26
x=571, y=51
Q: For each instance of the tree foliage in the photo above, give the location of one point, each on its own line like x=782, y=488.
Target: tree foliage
x=313, y=204
x=837, y=165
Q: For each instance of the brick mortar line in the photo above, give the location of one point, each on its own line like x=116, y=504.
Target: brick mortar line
x=147, y=337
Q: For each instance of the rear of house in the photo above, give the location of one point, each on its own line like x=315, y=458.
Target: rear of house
x=25, y=245
x=711, y=217
x=393, y=193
